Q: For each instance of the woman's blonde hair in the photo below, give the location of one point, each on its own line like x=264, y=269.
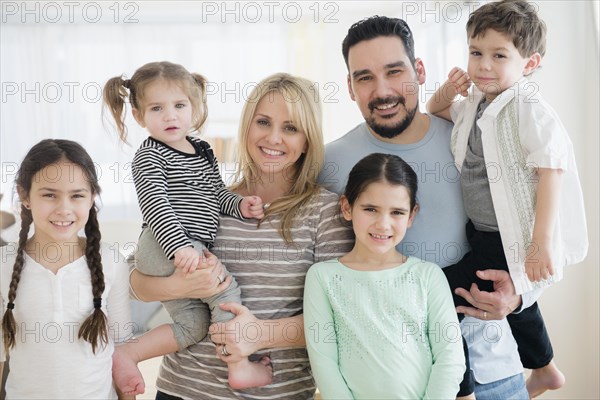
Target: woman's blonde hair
x=118, y=89
x=304, y=108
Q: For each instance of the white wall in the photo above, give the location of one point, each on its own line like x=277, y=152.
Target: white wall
x=38, y=50
x=569, y=81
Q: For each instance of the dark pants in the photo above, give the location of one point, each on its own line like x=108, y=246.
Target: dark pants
x=164, y=396
x=527, y=327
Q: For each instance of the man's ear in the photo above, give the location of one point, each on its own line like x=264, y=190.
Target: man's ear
x=413, y=214
x=346, y=208
x=420, y=70
x=532, y=64
x=138, y=117
x=350, y=88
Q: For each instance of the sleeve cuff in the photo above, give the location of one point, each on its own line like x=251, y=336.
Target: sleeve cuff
x=527, y=299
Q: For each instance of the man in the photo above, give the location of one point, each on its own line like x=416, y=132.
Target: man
x=383, y=79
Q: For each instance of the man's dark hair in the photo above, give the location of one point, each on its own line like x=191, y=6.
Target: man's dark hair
x=375, y=26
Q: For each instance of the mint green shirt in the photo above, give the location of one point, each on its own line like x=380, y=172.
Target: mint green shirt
x=390, y=334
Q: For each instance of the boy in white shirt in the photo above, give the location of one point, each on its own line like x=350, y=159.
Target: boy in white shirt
x=518, y=175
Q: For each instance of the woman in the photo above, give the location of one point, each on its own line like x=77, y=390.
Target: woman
x=281, y=153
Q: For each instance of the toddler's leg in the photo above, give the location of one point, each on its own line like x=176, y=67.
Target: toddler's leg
x=150, y=259
x=157, y=342
x=244, y=373
x=126, y=375
x=190, y=316
x=190, y=322
x=535, y=351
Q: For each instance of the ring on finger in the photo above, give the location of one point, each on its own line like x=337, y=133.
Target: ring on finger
x=224, y=351
x=221, y=278
x=485, y=315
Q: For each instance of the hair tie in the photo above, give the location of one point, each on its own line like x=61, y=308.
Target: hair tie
x=11, y=306
x=127, y=83
x=98, y=302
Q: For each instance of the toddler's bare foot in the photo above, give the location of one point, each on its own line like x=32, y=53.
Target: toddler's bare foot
x=126, y=374
x=545, y=378
x=246, y=374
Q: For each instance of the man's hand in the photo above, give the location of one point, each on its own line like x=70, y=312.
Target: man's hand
x=490, y=305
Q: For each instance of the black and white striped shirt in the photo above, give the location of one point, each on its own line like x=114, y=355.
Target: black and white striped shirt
x=180, y=194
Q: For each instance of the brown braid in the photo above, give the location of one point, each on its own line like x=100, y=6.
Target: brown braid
x=9, y=326
x=47, y=152
x=95, y=328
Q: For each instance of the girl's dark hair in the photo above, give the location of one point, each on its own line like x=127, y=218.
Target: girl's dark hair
x=118, y=89
x=380, y=167
x=50, y=151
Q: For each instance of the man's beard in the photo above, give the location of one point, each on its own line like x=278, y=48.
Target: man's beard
x=388, y=131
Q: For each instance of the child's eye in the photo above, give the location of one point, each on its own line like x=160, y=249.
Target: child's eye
x=180, y=105
x=369, y=209
x=499, y=56
x=155, y=108
x=49, y=195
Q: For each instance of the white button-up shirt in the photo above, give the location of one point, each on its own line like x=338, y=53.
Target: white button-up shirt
x=521, y=133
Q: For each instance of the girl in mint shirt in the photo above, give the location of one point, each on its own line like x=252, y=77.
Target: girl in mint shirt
x=379, y=324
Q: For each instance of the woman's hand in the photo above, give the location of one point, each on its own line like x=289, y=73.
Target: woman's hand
x=208, y=280
x=241, y=336
x=203, y=282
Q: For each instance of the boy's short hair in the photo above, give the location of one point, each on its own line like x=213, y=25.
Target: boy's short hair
x=376, y=26
x=517, y=19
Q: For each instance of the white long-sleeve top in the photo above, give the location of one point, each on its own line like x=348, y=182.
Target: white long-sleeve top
x=48, y=360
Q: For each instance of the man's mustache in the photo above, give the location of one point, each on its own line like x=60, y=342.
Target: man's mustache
x=388, y=100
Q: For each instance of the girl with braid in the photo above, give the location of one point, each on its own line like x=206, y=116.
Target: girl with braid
x=66, y=297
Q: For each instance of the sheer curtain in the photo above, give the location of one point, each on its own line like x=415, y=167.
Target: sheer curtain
x=55, y=60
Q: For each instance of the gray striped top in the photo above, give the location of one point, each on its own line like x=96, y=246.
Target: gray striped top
x=271, y=276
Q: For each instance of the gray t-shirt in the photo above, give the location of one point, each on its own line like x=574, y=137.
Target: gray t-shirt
x=438, y=233
x=474, y=181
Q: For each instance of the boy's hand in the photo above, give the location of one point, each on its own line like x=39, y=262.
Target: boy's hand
x=252, y=207
x=458, y=82
x=538, y=262
x=187, y=259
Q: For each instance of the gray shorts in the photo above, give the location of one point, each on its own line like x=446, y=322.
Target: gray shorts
x=191, y=317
